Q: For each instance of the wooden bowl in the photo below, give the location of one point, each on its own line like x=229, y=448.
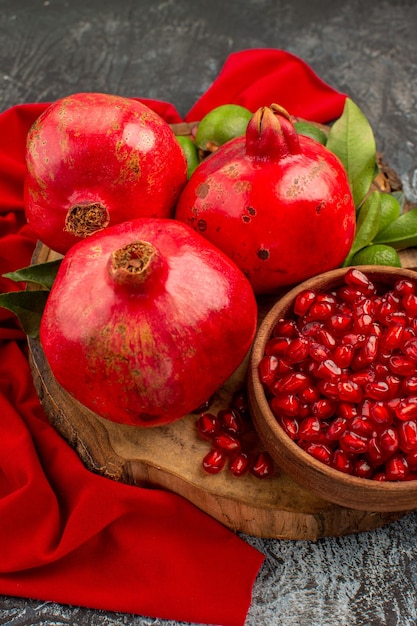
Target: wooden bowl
x=331, y=484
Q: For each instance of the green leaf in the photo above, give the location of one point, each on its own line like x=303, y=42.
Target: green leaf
x=401, y=233
x=28, y=306
x=351, y=138
x=42, y=274
x=367, y=225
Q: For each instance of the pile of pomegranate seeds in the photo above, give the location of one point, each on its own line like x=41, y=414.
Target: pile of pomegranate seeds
x=341, y=377
x=233, y=440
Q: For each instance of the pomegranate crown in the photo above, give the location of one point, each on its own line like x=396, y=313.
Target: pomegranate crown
x=271, y=134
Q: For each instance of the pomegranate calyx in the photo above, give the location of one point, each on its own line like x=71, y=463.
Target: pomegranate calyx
x=270, y=134
x=135, y=264
x=83, y=220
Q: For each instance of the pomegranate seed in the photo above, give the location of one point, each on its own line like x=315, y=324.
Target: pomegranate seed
x=381, y=371
x=207, y=425
x=394, y=384
x=384, y=310
x=409, y=303
x=410, y=349
x=328, y=389
x=349, y=294
x=230, y=421
x=263, y=465
x=339, y=323
x=378, y=390
x=296, y=381
x=358, y=279
x=380, y=413
x=278, y=346
x=310, y=329
x=283, y=367
x=407, y=433
x=267, y=368
x=409, y=385
x=389, y=440
x=309, y=394
x=352, y=442
x=318, y=352
x=393, y=298
x=375, y=454
x=380, y=477
x=349, y=391
x=319, y=451
x=362, y=468
x=362, y=425
x=347, y=411
x=330, y=298
x=290, y=425
x=303, y=301
x=412, y=460
x=240, y=403
x=362, y=323
x=363, y=377
x=396, y=467
x=352, y=339
x=370, y=348
x=397, y=317
x=297, y=350
x=328, y=370
x=409, y=333
x=404, y=287
x=402, y=365
x=343, y=355
x=214, y=461
x=287, y=404
x=323, y=408
x=320, y=311
x=336, y=428
x=363, y=306
x=309, y=367
x=407, y=408
x=310, y=429
x=226, y=443
x=239, y=464
x=285, y=328
x=341, y=461
x=326, y=338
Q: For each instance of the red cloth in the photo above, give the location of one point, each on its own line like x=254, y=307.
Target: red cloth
x=69, y=535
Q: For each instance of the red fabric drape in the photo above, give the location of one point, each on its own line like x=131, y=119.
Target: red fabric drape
x=69, y=535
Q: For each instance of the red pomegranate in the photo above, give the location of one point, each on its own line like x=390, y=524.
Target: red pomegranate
x=94, y=160
x=146, y=320
x=277, y=203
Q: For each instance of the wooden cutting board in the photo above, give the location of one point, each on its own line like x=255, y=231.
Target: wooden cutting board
x=170, y=457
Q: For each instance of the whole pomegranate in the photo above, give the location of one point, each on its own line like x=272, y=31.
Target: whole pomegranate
x=146, y=320
x=277, y=203
x=94, y=160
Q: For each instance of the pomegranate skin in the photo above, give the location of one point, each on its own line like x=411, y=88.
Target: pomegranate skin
x=145, y=340
x=94, y=160
x=277, y=203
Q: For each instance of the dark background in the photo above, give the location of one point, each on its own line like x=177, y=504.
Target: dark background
x=173, y=50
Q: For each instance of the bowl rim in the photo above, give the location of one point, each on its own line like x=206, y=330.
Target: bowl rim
x=278, y=310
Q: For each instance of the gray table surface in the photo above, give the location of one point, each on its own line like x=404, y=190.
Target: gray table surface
x=172, y=50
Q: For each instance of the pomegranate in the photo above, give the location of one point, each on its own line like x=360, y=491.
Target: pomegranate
x=340, y=376
x=277, y=203
x=94, y=160
x=146, y=320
